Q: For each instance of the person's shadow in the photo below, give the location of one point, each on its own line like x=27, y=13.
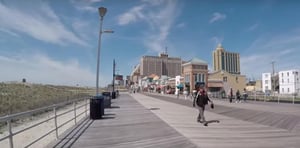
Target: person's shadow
x=210, y=121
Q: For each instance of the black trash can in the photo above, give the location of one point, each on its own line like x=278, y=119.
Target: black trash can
x=96, y=107
x=113, y=95
x=107, y=99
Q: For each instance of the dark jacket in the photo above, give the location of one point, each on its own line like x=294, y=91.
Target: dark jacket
x=202, y=100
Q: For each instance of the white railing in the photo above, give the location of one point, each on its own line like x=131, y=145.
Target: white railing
x=279, y=98
x=10, y=118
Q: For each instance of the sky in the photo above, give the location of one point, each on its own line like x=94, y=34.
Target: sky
x=56, y=41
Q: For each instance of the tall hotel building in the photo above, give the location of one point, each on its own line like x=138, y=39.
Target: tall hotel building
x=226, y=61
x=160, y=65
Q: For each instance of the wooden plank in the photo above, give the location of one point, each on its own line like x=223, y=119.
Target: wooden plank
x=128, y=124
x=268, y=128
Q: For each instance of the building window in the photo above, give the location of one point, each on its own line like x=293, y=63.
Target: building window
x=266, y=88
x=266, y=81
x=288, y=89
x=282, y=74
x=282, y=89
x=187, y=78
x=224, y=79
x=195, y=78
x=266, y=75
x=282, y=81
x=288, y=81
x=288, y=74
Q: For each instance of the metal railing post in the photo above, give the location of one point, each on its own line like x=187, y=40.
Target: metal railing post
x=11, y=142
x=74, y=104
x=86, y=106
x=55, y=122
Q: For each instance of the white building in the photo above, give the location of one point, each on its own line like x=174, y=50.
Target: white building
x=266, y=82
x=289, y=81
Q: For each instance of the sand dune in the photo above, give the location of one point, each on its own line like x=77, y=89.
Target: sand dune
x=26, y=137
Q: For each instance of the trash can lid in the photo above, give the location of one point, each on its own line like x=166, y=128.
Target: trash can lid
x=99, y=96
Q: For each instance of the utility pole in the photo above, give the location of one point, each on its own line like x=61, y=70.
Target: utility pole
x=272, y=77
x=273, y=70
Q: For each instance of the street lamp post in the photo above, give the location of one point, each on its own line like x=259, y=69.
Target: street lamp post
x=102, y=12
x=114, y=76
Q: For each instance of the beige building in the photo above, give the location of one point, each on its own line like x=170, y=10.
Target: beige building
x=135, y=75
x=160, y=65
x=195, y=71
x=226, y=61
x=223, y=80
x=254, y=86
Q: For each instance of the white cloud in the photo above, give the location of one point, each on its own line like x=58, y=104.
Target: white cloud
x=84, y=29
x=217, y=17
x=132, y=15
x=180, y=25
x=253, y=27
x=217, y=40
x=159, y=15
x=283, y=49
x=40, y=22
x=42, y=69
x=9, y=32
x=86, y=5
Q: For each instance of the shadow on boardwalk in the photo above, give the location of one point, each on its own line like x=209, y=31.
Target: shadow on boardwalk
x=128, y=124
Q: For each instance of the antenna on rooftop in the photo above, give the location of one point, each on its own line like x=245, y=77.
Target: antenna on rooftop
x=273, y=70
x=166, y=50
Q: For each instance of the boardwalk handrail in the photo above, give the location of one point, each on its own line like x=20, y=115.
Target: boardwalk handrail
x=8, y=119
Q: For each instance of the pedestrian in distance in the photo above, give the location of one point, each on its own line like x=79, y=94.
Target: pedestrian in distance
x=194, y=93
x=200, y=101
x=245, y=95
x=238, y=97
x=230, y=95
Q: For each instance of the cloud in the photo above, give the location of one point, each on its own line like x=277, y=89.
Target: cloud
x=161, y=22
x=217, y=40
x=158, y=15
x=283, y=49
x=253, y=27
x=217, y=17
x=40, y=22
x=9, y=32
x=180, y=25
x=39, y=68
x=86, y=5
x=131, y=16
x=84, y=29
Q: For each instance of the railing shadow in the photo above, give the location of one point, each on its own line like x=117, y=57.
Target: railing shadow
x=71, y=136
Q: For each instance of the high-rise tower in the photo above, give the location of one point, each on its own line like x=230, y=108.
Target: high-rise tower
x=226, y=61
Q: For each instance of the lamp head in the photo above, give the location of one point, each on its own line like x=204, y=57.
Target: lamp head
x=102, y=11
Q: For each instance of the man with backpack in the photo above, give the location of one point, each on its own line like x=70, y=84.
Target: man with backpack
x=200, y=101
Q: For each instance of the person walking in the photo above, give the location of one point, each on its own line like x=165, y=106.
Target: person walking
x=245, y=95
x=238, y=97
x=200, y=101
x=230, y=95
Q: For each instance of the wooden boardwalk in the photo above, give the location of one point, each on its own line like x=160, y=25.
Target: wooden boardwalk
x=126, y=125
x=247, y=125
x=153, y=120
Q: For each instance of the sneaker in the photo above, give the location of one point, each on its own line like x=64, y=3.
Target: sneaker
x=199, y=121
